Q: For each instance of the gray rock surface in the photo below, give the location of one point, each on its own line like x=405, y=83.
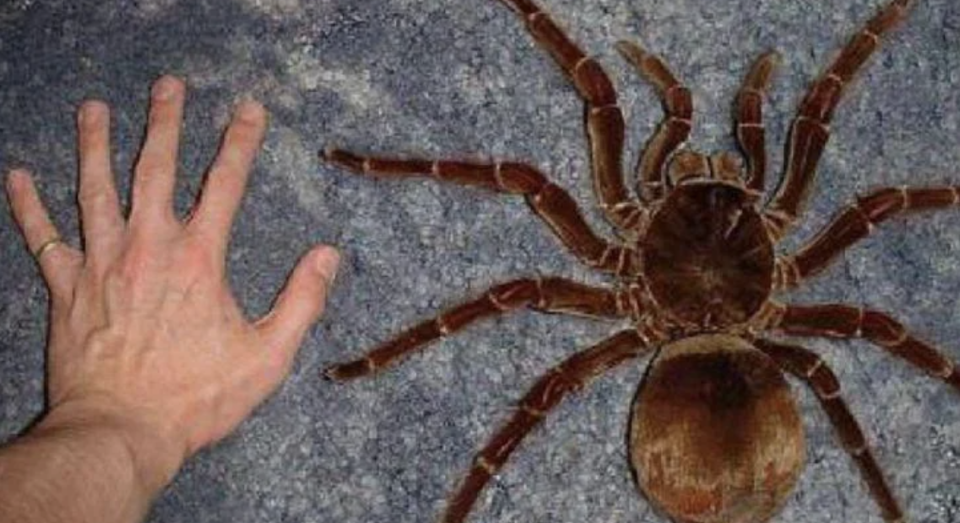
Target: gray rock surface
x=447, y=77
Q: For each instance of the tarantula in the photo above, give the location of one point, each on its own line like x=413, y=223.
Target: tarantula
x=715, y=434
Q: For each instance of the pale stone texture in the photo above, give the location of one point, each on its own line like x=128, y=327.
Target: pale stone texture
x=448, y=77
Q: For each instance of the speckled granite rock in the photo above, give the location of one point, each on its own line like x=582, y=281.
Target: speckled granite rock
x=447, y=77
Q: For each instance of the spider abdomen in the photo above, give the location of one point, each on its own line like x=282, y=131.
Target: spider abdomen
x=707, y=258
x=716, y=435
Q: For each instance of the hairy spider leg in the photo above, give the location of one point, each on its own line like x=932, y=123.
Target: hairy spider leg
x=673, y=130
x=556, y=295
x=855, y=223
x=553, y=204
x=748, y=118
x=811, y=127
x=844, y=321
x=810, y=368
x=572, y=375
x=605, y=125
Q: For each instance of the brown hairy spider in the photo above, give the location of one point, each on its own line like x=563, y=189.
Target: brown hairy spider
x=715, y=434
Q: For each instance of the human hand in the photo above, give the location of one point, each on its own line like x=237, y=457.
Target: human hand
x=145, y=334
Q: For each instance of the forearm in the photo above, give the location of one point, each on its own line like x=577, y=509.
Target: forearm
x=79, y=470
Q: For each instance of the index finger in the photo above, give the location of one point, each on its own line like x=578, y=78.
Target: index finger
x=227, y=179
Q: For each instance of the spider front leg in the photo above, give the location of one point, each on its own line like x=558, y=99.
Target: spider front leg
x=810, y=129
x=844, y=321
x=605, y=125
x=676, y=126
x=570, y=376
x=807, y=366
x=855, y=223
x=549, y=201
x=547, y=295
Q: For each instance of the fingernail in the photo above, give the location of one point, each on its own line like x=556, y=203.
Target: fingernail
x=16, y=178
x=327, y=262
x=250, y=111
x=91, y=111
x=165, y=88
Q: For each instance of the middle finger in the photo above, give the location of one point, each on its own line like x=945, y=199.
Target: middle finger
x=99, y=208
x=155, y=174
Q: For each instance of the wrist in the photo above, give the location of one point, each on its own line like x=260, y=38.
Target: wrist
x=153, y=455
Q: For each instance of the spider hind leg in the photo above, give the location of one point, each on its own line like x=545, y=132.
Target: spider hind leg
x=807, y=366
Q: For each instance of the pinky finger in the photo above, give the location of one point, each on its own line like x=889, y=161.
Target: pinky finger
x=58, y=262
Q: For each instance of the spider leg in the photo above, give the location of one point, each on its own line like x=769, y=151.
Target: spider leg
x=547, y=295
x=675, y=128
x=549, y=201
x=807, y=366
x=811, y=127
x=605, y=125
x=844, y=321
x=750, y=131
x=572, y=375
x=855, y=223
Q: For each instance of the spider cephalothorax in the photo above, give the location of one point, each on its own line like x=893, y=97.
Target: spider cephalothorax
x=715, y=436
x=707, y=258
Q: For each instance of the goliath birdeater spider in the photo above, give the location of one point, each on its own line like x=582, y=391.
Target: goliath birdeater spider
x=715, y=435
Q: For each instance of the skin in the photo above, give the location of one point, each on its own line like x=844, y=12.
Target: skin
x=150, y=358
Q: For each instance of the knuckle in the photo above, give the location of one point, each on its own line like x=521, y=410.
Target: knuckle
x=94, y=197
x=196, y=266
x=103, y=341
x=34, y=224
x=195, y=262
x=61, y=300
x=124, y=275
x=137, y=260
x=207, y=239
x=150, y=168
x=223, y=178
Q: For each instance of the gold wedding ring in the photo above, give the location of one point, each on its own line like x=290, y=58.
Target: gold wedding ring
x=47, y=246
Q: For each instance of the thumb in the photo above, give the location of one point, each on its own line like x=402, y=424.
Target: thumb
x=302, y=300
